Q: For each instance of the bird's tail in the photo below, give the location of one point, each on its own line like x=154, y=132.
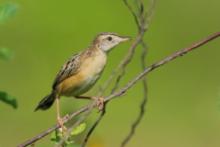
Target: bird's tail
x=46, y=102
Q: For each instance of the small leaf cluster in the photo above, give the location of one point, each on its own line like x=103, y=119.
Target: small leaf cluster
x=57, y=136
x=7, y=11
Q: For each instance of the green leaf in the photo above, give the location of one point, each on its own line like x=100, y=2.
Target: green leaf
x=53, y=137
x=7, y=11
x=8, y=99
x=6, y=54
x=56, y=136
x=79, y=129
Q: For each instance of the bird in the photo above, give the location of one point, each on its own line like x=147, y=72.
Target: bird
x=80, y=73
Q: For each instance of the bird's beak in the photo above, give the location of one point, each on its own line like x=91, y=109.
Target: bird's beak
x=124, y=39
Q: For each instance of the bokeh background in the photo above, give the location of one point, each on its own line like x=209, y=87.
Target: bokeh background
x=184, y=96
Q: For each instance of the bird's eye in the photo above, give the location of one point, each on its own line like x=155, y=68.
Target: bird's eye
x=109, y=38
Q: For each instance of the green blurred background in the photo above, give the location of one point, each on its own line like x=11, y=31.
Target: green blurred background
x=184, y=95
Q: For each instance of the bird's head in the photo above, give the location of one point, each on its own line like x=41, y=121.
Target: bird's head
x=107, y=41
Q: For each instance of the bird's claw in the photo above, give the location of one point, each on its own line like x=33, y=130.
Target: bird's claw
x=61, y=124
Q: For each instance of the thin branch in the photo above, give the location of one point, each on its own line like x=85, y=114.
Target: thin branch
x=145, y=20
x=122, y=64
x=162, y=62
x=140, y=22
x=126, y=60
x=136, y=18
x=143, y=102
x=85, y=141
x=142, y=26
x=124, y=89
x=149, y=14
x=131, y=52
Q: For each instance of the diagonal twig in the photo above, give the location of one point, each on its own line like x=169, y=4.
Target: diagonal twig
x=143, y=102
x=85, y=141
x=145, y=18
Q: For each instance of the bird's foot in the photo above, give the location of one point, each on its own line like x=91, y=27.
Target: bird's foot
x=99, y=103
x=61, y=124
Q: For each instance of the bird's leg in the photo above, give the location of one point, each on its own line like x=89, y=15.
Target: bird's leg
x=99, y=101
x=59, y=119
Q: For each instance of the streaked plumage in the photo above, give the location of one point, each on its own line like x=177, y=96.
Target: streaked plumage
x=75, y=80
x=82, y=70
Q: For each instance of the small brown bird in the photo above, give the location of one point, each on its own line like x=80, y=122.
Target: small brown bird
x=81, y=72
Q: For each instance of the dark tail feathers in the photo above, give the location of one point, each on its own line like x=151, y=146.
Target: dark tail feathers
x=46, y=102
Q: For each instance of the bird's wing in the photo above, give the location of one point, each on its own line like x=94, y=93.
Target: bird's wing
x=68, y=69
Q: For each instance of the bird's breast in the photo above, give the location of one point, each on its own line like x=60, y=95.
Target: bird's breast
x=93, y=65
x=90, y=71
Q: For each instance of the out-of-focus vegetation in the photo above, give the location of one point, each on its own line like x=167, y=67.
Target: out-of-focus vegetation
x=7, y=11
x=183, y=95
x=8, y=99
x=6, y=54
